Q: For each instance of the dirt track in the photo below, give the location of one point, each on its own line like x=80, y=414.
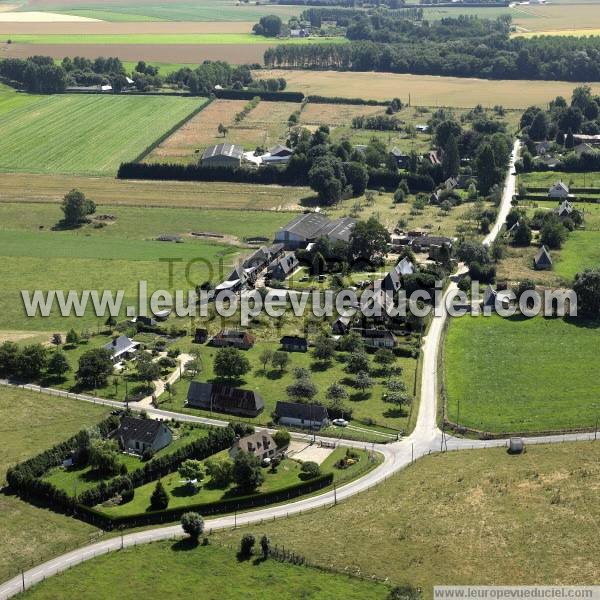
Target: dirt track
x=180, y=53
x=104, y=27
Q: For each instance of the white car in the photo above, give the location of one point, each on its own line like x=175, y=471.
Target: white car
x=340, y=422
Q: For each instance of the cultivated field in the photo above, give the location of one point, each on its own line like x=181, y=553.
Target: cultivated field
x=167, y=53
x=508, y=375
x=201, y=571
x=426, y=90
x=85, y=134
x=472, y=517
x=86, y=27
x=31, y=423
x=563, y=19
x=164, y=10
x=265, y=125
x=17, y=187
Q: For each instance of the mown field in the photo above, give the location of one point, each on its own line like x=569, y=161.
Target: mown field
x=178, y=10
x=30, y=423
x=17, y=187
x=472, y=517
x=81, y=133
x=212, y=572
x=517, y=374
x=426, y=90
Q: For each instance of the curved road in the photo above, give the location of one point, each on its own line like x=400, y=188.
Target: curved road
x=425, y=439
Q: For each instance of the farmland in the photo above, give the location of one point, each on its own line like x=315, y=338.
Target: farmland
x=508, y=374
x=179, y=10
x=17, y=187
x=426, y=90
x=547, y=494
x=31, y=423
x=202, y=571
x=81, y=134
x=265, y=125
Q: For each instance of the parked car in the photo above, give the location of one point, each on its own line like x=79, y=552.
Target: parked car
x=340, y=422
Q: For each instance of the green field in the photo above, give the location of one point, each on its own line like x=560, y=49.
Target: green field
x=31, y=423
x=166, y=39
x=86, y=134
x=68, y=261
x=178, y=570
x=165, y=10
x=473, y=517
x=548, y=178
x=513, y=375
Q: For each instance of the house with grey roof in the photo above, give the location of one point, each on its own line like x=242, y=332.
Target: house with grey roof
x=222, y=155
x=121, y=348
x=283, y=267
x=223, y=398
x=309, y=227
x=136, y=435
x=542, y=260
x=279, y=154
x=376, y=338
x=299, y=415
x=560, y=191
x=261, y=444
x=565, y=210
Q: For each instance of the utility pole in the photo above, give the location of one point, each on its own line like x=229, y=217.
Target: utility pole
x=334, y=495
x=23, y=579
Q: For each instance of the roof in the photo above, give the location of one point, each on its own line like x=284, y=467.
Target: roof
x=295, y=340
x=120, y=345
x=286, y=263
x=280, y=149
x=224, y=149
x=565, y=208
x=223, y=396
x=398, y=153
x=311, y=226
x=405, y=267
x=430, y=240
x=374, y=333
x=259, y=441
x=560, y=185
x=296, y=410
x=543, y=257
x=134, y=429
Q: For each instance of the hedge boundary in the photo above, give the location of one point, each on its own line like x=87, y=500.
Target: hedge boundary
x=108, y=522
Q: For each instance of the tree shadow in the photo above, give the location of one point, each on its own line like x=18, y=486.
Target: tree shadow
x=320, y=366
x=309, y=201
x=360, y=396
x=185, y=491
x=274, y=374
x=395, y=413
x=349, y=381
x=185, y=545
x=258, y=560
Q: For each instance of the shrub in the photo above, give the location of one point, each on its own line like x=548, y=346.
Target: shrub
x=309, y=470
x=247, y=545
x=160, y=498
x=193, y=524
x=282, y=438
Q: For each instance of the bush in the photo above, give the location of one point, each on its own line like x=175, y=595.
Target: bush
x=247, y=545
x=282, y=438
x=309, y=470
x=193, y=524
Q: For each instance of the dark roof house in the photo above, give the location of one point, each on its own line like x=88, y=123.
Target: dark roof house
x=309, y=227
x=222, y=155
x=293, y=343
x=260, y=444
x=136, y=435
x=233, y=338
x=282, y=267
x=542, y=260
x=376, y=338
x=223, y=398
x=296, y=414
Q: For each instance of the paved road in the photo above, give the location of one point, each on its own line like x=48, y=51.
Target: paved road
x=425, y=439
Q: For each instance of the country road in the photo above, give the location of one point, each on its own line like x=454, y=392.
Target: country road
x=425, y=439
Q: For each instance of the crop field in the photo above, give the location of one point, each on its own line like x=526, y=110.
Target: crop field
x=143, y=28
x=507, y=374
x=549, y=178
x=167, y=39
x=202, y=571
x=17, y=187
x=163, y=53
x=265, y=125
x=557, y=19
x=549, y=495
x=85, y=134
x=426, y=90
x=30, y=423
x=178, y=10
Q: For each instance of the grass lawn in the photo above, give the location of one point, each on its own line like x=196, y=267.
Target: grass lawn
x=271, y=386
x=548, y=178
x=76, y=481
x=212, y=572
x=166, y=39
x=183, y=495
x=87, y=134
x=473, y=517
x=512, y=375
x=31, y=423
